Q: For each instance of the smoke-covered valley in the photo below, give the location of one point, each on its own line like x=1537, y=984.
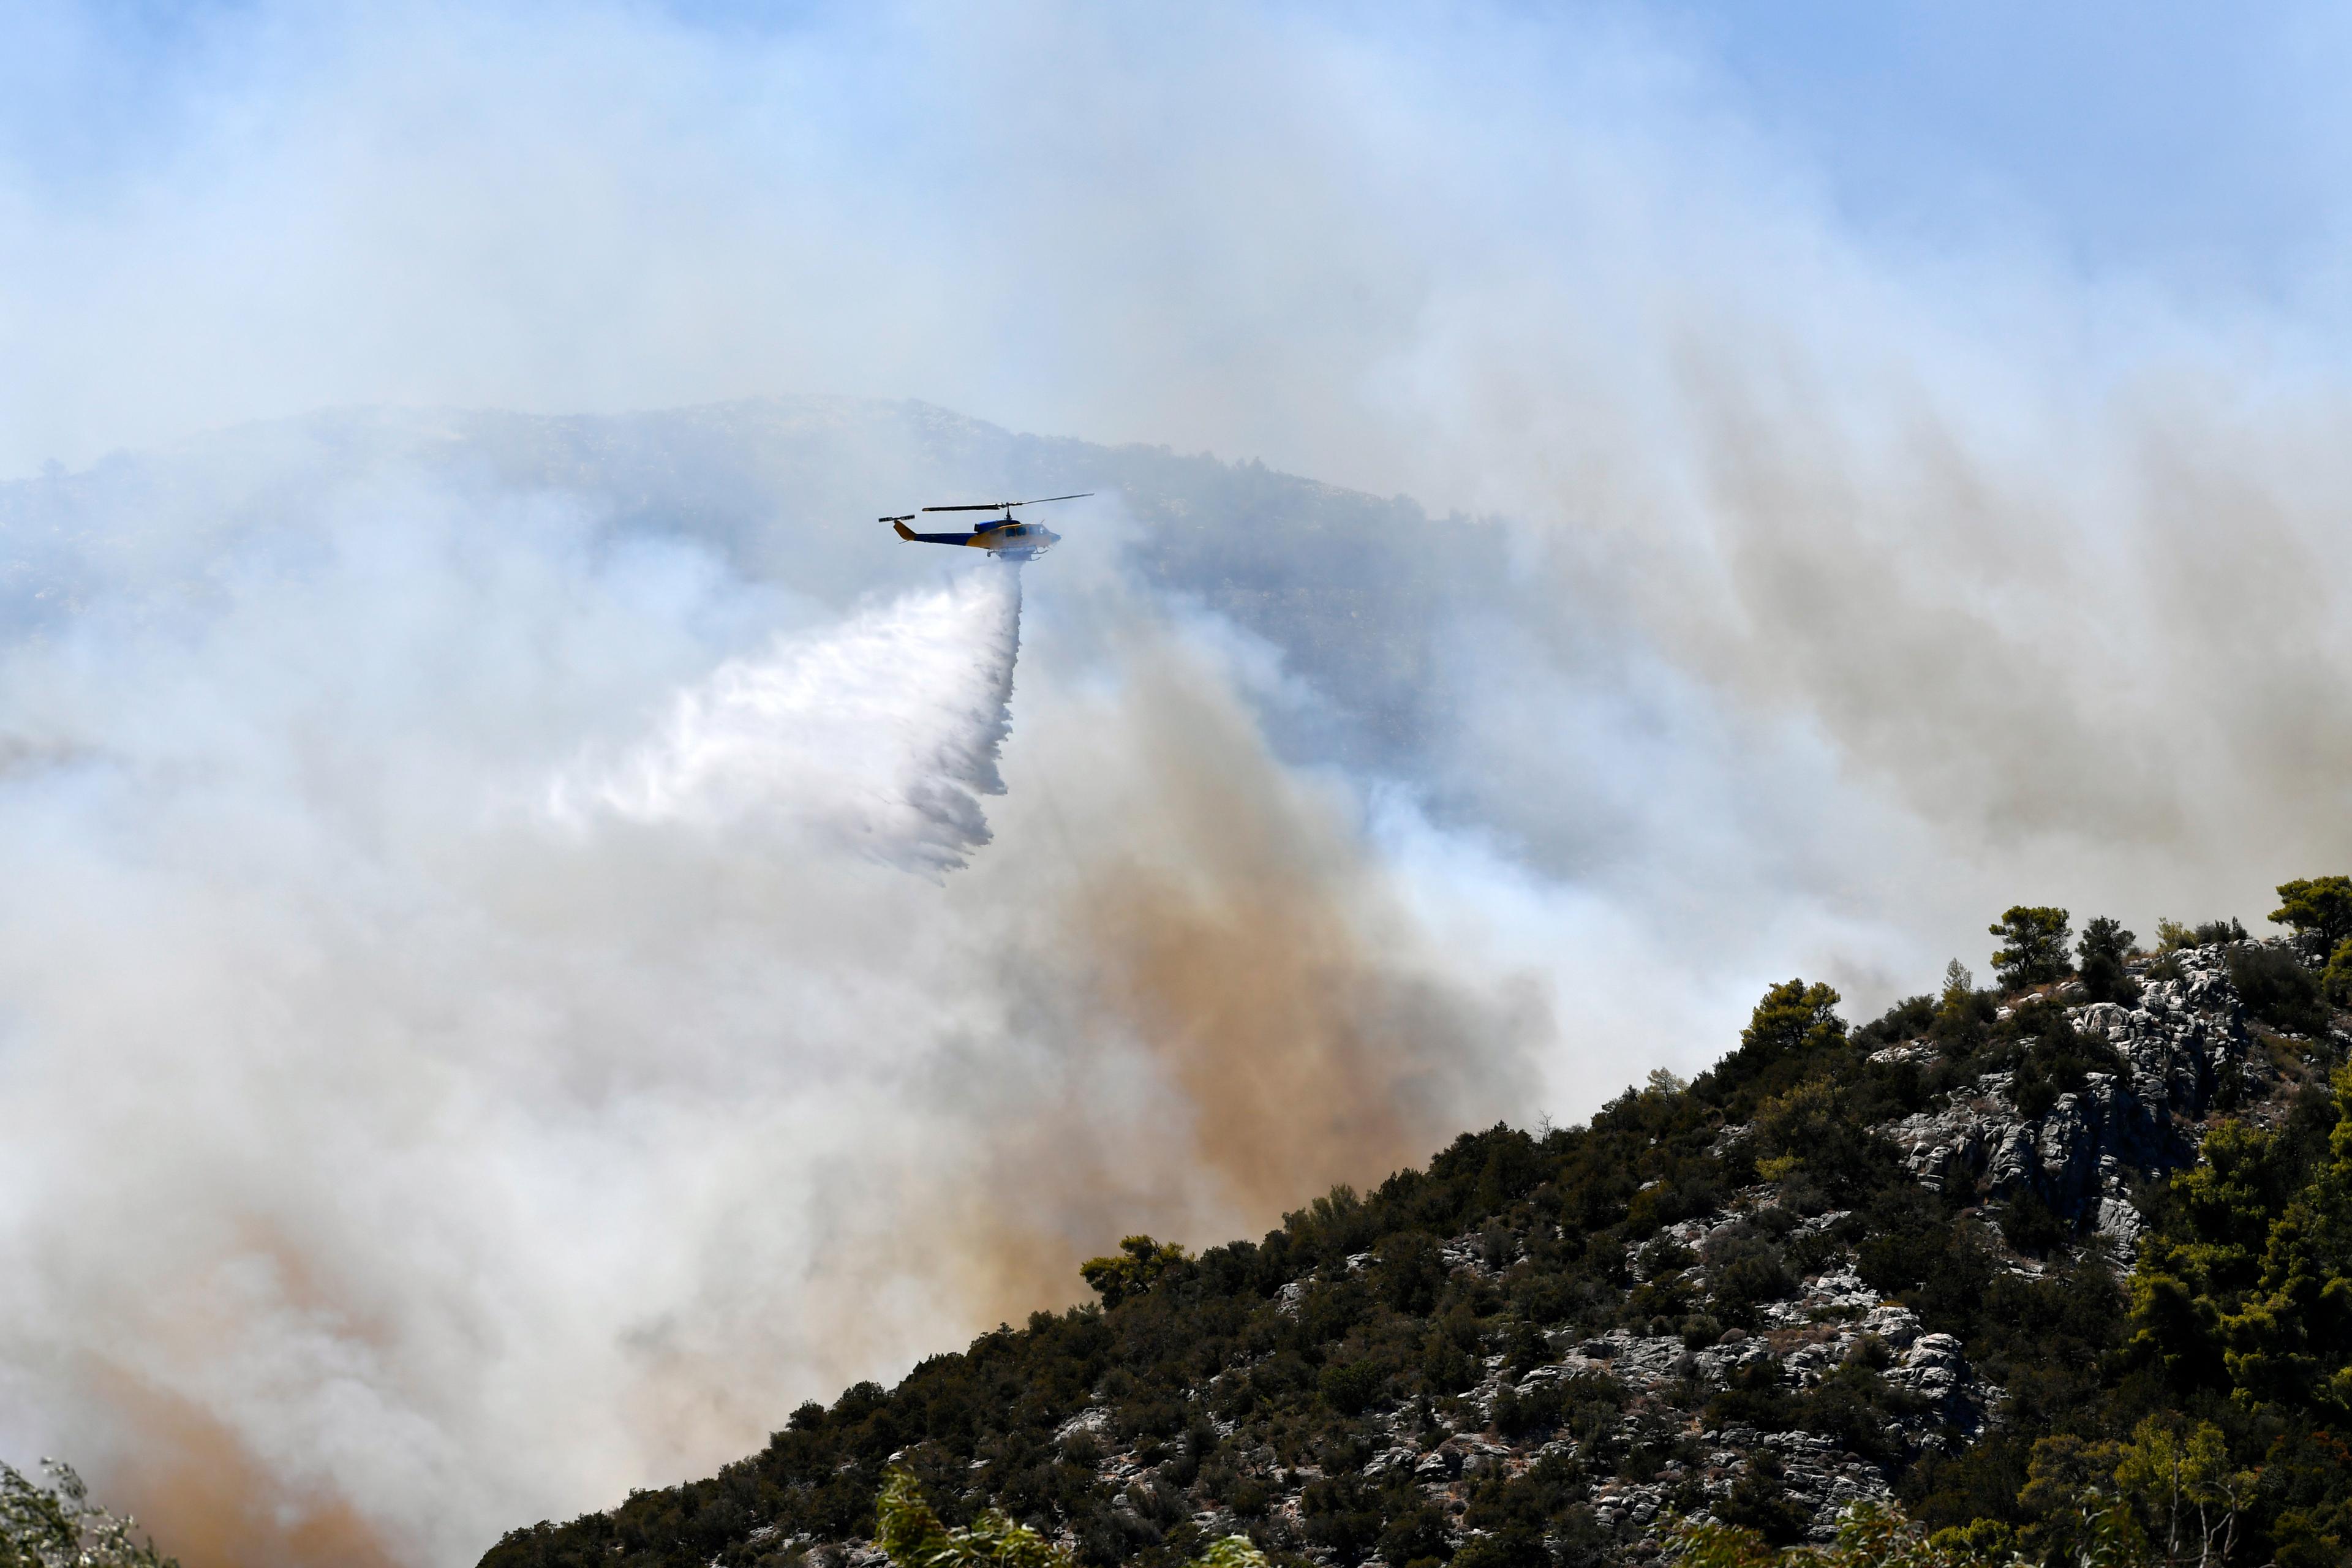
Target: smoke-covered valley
x=543, y=942
x=536, y=940
x=537, y=972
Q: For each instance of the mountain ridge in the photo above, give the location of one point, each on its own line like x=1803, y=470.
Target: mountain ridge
x=1945, y=1262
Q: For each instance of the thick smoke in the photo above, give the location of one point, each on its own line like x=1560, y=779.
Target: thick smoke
x=478, y=1046
x=469, y=1041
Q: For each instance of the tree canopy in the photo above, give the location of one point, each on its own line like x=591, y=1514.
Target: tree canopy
x=2319, y=905
x=2033, y=945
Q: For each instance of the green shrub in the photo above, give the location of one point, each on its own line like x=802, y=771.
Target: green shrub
x=2277, y=989
x=1137, y=1267
x=1963, y=1012
x=1517, y=1414
x=2336, y=982
x=1907, y=1020
x=1418, y=1534
x=2052, y=1057
x=2104, y=946
x=1412, y=1272
x=2171, y=936
x=1353, y=1388
x=1514, y=1546
x=1699, y=1331
x=906, y=1527
x=1759, y=1501
x=1794, y=1028
x=2028, y=1225
x=1754, y=1395
x=1446, y=1366
x=1812, y=1128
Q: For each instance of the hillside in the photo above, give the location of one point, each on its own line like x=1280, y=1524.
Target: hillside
x=785, y=489
x=2063, y=1259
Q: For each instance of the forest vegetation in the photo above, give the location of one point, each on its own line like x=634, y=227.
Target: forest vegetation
x=2056, y=1271
x=1610, y=1342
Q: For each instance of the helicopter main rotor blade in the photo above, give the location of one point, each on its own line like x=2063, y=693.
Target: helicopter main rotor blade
x=1009, y=505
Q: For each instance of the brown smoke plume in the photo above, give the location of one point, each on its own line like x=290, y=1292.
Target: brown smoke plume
x=483, y=1162
x=1181, y=904
x=1269, y=973
x=210, y=1501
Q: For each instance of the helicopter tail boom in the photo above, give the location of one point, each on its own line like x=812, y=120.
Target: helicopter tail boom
x=908, y=533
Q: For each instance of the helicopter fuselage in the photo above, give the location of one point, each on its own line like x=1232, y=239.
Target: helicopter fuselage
x=1011, y=541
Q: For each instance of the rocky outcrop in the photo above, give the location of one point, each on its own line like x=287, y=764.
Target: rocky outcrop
x=2180, y=1054
x=1656, y=1385
x=2184, y=1048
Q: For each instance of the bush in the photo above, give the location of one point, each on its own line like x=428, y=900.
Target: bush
x=1353, y=1388
x=914, y=1537
x=1514, y=1546
x=1699, y=1332
x=2172, y=937
x=1759, y=1501
x=1754, y=1395
x=2056, y=1058
x=1447, y=1367
x=1412, y=1272
x=1137, y=1267
x=2030, y=1090
x=2277, y=989
x=2336, y=982
x=2033, y=945
x=2028, y=1225
x=1812, y=1128
x=2104, y=946
x=1747, y=1284
x=1907, y=1020
x=1415, y=1535
x=1517, y=1415
x=1794, y=1025
x=1963, y=1012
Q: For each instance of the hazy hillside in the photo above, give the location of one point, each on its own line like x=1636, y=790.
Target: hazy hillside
x=1852, y=1262
x=1354, y=589
x=1966, y=1259
x=570, y=772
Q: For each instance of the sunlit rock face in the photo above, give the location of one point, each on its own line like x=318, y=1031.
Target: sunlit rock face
x=2187, y=1052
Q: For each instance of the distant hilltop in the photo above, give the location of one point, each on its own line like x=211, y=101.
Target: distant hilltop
x=787, y=489
x=2051, y=1270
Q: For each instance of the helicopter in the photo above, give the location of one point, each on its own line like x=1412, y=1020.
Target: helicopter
x=1006, y=539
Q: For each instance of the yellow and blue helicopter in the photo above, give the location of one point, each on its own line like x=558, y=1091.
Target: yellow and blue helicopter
x=1005, y=538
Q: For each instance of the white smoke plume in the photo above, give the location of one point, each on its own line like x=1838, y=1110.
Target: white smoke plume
x=462, y=1054
x=473, y=1043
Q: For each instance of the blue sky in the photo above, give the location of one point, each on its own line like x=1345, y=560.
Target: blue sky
x=2200, y=141
x=2190, y=152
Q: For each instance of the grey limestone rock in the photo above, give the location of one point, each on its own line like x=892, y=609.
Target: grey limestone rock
x=2181, y=1042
